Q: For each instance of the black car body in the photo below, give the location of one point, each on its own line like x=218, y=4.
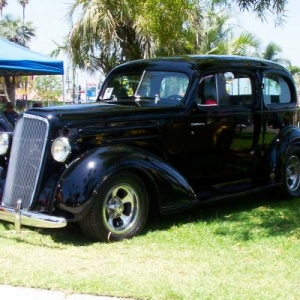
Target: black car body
x=169, y=133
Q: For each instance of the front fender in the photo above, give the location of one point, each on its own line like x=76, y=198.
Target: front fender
x=287, y=137
x=86, y=174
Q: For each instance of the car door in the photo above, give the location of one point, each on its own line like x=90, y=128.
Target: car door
x=224, y=149
x=279, y=96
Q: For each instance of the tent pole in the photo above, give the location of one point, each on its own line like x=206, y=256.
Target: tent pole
x=63, y=85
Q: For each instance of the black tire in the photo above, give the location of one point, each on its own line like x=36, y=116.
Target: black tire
x=291, y=172
x=119, y=210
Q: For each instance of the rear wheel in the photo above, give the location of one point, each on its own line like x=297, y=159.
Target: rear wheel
x=119, y=211
x=291, y=172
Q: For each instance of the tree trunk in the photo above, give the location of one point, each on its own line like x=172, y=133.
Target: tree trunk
x=10, y=88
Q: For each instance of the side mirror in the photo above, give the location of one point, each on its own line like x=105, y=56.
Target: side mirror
x=228, y=77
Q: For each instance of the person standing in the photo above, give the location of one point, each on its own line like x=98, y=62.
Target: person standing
x=10, y=113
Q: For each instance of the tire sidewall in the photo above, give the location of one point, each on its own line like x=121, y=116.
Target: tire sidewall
x=293, y=151
x=135, y=183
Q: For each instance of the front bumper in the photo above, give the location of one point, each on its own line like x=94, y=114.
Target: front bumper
x=23, y=217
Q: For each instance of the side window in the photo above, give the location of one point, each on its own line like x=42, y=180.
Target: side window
x=226, y=88
x=239, y=89
x=276, y=89
x=207, y=91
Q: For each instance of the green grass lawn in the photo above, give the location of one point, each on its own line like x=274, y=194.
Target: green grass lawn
x=245, y=248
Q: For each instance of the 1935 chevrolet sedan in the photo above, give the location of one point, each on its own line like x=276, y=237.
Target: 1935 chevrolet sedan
x=169, y=133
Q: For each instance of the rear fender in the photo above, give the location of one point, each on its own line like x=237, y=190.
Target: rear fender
x=287, y=137
x=83, y=177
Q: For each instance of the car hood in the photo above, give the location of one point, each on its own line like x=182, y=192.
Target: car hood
x=95, y=117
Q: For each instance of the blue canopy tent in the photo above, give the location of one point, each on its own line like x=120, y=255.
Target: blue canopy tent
x=16, y=60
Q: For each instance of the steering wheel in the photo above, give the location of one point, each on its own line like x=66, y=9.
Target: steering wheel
x=175, y=97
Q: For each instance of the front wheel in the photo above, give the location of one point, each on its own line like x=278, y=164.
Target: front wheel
x=291, y=172
x=119, y=210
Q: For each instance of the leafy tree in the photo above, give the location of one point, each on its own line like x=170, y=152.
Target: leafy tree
x=262, y=7
x=221, y=37
x=15, y=30
x=47, y=87
x=112, y=32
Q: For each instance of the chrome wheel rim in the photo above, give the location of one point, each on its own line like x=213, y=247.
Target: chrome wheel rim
x=293, y=173
x=121, y=209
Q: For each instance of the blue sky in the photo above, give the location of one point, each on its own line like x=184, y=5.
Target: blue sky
x=49, y=17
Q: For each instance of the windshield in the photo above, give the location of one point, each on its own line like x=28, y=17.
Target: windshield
x=153, y=87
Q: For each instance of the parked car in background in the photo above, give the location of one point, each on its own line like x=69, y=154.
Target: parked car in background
x=167, y=133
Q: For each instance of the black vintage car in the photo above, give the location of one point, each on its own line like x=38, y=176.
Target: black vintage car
x=166, y=133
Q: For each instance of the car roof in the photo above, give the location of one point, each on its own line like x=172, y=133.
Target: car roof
x=201, y=62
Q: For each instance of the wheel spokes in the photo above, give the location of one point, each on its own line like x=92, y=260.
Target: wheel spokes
x=121, y=208
x=293, y=173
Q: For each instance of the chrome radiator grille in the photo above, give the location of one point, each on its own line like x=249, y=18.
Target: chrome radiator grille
x=26, y=158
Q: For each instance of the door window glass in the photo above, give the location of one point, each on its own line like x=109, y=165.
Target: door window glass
x=276, y=90
x=226, y=88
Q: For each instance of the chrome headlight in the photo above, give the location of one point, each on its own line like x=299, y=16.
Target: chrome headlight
x=4, y=143
x=61, y=149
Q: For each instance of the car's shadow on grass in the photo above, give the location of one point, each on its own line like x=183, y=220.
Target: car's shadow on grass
x=270, y=213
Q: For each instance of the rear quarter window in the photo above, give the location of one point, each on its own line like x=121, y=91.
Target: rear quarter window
x=276, y=89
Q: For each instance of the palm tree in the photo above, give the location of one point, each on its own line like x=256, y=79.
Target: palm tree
x=218, y=36
x=272, y=52
x=108, y=34
x=3, y=3
x=23, y=3
x=14, y=30
x=20, y=33
x=106, y=31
